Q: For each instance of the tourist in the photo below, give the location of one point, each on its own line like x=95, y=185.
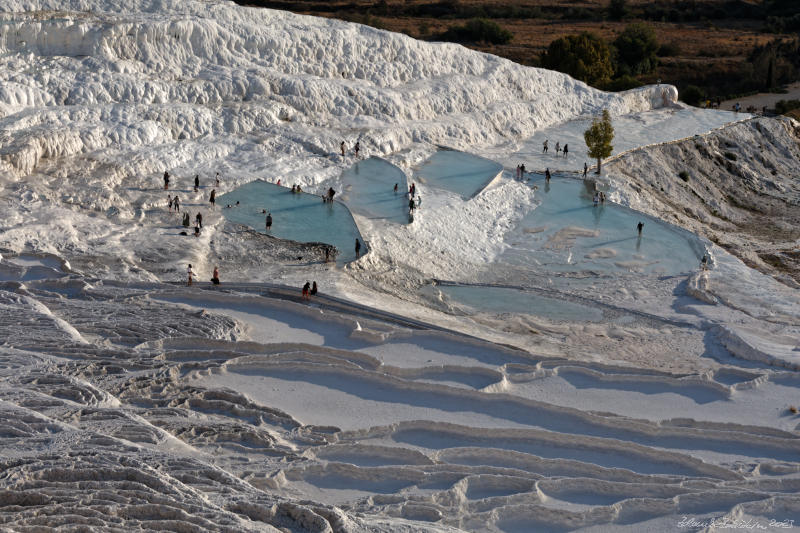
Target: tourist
x=176, y=204
x=342, y=147
x=547, y=175
x=199, y=220
x=306, y=287
x=639, y=227
x=585, y=169
x=196, y=182
x=358, y=248
x=186, y=220
x=216, y=180
x=169, y=198
x=516, y=175
x=327, y=253
x=279, y=182
x=294, y=189
x=558, y=148
x=357, y=148
x=395, y=188
x=566, y=150
x=331, y=192
x=190, y=273
x=411, y=205
x=595, y=199
x=212, y=198
x=215, y=276
x=544, y=146
x=269, y=221
x=166, y=180
x=419, y=201
x=522, y=170
x=313, y=290
x=196, y=230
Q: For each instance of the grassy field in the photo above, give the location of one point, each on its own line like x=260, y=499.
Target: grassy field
x=707, y=43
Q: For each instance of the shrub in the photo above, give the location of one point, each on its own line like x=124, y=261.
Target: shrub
x=617, y=9
x=692, y=95
x=479, y=30
x=623, y=83
x=683, y=175
x=782, y=107
x=636, y=48
x=669, y=50
x=585, y=57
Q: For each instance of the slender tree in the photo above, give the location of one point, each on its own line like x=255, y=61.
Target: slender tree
x=598, y=138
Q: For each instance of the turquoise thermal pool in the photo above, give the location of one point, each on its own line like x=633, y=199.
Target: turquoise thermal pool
x=368, y=189
x=462, y=173
x=298, y=217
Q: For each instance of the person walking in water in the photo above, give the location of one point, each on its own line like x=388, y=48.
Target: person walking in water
x=585, y=169
x=395, y=188
x=639, y=227
x=269, y=221
x=566, y=150
x=190, y=273
x=196, y=182
x=215, y=276
x=544, y=146
x=212, y=198
x=306, y=287
x=358, y=248
x=547, y=175
x=166, y=180
x=342, y=147
x=357, y=148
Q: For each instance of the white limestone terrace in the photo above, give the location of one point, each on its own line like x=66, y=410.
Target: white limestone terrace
x=127, y=402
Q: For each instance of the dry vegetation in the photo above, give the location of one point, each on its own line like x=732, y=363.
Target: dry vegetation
x=710, y=52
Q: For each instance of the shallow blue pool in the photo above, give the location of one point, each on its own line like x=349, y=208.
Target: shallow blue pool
x=509, y=300
x=368, y=189
x=566, y=232
x=299, y=217
x=462, y=173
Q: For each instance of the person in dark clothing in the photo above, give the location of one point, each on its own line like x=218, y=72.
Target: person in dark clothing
x=215, y=276
x=199, y=220
x=196, y=230
x=566, y=150
x=186, y=221
x=331, y=192
x=358, y=248
x=166, y=180
x=306, y=287
x=585, y=169
x=176, y=203
x=196, y=182
x=395, y=188
x=313, y=290
x=547, y=174
x=357, y=148
x=411, y=205
x=342, y=147
x=213, y=198
x=639, y=227
x=269, y=221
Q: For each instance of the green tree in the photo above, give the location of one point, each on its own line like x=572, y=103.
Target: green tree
x=479, y=30
x=617, y=9
x=598, y=138
x=585, y=57
x=636, y=49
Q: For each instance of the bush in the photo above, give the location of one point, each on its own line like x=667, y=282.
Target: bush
x=617, y=9
x=730, y=156
x=623, y=83
x=693, y=95
x=669, y=50
x=782, y=107
x=683, y=175
x=636, y=48
x=479, y=30
x=585, y=57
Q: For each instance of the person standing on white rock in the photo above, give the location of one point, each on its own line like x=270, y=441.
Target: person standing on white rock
x=190, y=273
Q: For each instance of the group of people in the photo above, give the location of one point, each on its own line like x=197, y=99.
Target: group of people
x=214, y=276
x=296, y=189
x=309, y=290
x=356, y=148
x=328, y=196
x=196, y=181
x=546, y=144
x=599, y=197
x=520, y=171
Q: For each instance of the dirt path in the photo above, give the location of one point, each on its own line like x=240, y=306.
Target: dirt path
x=764, y=99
